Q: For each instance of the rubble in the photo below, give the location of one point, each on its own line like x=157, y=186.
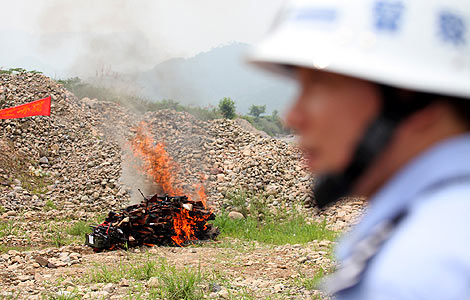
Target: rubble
x=66, y=153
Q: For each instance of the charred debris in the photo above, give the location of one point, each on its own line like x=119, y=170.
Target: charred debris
x=156, y=221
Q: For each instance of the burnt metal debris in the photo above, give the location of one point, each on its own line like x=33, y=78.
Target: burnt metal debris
x=159, y=220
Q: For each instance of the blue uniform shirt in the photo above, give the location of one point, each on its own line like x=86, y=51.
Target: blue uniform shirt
x=428, y=254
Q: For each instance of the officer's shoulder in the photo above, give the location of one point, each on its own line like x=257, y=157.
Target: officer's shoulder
x=438, y=219
x=428, y=252
x=444, y=205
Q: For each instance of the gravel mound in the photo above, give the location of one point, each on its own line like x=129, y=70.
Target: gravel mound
x=64, y=159
x=231, y=157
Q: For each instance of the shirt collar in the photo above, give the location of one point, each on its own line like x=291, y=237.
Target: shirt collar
x=441, y=162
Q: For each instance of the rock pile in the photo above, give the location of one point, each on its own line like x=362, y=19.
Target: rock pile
x=231, y=157
x=62, y=160
x=20, y=267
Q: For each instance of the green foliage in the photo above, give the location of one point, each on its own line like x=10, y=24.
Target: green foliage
x=36, y=185
x=272, y=125
x=18, y=70
x=15, y=295
x=7, y=228
x=2, y=209
x=227, y=108
x=56, y=237
x=173, y=283
x=248, y=204
x=178, y=284
x=79, y=228
x=268, y=226
x=49, y=205
x=82, y=89
x=310, y=283
x=257, y=110
x=6, y=248
x=65, y=295
x=294, y=230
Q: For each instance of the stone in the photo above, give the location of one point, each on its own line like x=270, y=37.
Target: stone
x=214, y=287
x=44, y=160
x=108, y=288
x=220, y=177
x=153, y=282
x=123, y=282
x=271, y=189
x=302, y=260
x=24, y=277
x=223, y=293
x=278, y=288
x=235, y=215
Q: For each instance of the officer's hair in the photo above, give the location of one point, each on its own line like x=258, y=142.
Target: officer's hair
x=416, y=100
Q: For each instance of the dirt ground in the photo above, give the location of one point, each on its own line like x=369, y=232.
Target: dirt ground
x=239, y=270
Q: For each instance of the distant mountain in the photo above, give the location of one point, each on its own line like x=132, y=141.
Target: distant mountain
x=209, y=76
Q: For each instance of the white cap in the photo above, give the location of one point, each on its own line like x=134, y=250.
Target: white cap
x=421, y=45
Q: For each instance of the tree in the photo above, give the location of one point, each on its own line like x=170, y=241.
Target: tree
x=275, y=115
x=257, y=110
x=227, y=108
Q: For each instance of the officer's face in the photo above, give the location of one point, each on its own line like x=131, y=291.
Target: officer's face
x=330, y=115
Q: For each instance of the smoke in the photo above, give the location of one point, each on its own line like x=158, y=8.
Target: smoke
x=134, y=178
x=113, y=35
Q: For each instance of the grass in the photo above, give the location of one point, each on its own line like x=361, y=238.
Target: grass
x=49, y=205
x=267, y=226
x=79, y=228
x=6, y=248
x=65, y=296
x=248, y=204
x=172, y=283
x=36, y=185
x=15, y=295
x=7, y=228
x=272, y=231
x=2, y=209
x=310, y=283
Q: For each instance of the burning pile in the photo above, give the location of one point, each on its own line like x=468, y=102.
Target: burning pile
x=171, y=219
x=160, y=220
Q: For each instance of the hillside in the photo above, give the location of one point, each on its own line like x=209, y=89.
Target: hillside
x=209, y=76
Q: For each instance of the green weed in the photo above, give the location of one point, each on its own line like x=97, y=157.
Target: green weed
x=49, y=205
x=310, y=283
x=294, y=230
x=79, y=228
x=248, y=204
x=7, y=228
x=174, y=284
x=65, y=296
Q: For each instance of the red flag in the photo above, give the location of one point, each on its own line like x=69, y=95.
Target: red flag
x=40, y=107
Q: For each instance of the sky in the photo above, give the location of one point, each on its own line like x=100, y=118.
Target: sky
x=65, y=36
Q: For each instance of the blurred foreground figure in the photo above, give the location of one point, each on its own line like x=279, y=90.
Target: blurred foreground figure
x=383, y=112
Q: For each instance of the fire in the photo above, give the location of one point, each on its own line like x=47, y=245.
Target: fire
x=158, y=165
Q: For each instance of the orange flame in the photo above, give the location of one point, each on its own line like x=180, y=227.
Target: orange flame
x=158, y=165
x=156, y=162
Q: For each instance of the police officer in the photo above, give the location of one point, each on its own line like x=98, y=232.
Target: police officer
x=383, y=112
